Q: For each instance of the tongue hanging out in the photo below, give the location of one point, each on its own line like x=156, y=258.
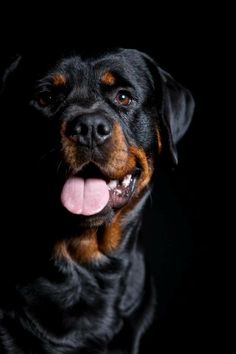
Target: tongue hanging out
x=89, y=196
x=85, y=196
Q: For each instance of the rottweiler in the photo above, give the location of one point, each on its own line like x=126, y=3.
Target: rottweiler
x=84, y=136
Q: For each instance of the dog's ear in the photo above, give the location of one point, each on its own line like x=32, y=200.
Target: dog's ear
x=175, y=106
x=9, y=68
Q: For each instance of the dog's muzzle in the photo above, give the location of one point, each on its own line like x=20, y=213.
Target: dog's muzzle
x=104, y=170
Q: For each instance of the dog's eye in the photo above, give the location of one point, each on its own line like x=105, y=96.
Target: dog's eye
x=123, y=98
x=44, y=99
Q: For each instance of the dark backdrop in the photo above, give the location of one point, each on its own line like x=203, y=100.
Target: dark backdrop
x=180, y=226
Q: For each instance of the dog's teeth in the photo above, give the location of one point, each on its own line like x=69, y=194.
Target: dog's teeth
x=126, y=181
x=118, y=191
x=113, y=184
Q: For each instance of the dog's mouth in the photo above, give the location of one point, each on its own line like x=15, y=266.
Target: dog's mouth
x=90, y=191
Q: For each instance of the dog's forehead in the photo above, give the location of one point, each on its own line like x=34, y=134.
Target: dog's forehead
x=115, y=63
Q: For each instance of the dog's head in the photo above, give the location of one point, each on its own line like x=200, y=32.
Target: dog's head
x=95, y=127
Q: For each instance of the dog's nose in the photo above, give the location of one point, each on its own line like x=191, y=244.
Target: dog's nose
x=89, y=130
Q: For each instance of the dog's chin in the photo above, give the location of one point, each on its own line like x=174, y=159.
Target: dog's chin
x=93, y=221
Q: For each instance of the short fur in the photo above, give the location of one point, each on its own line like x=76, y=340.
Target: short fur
x=74, y=284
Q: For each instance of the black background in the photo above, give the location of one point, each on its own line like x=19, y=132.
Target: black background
x=182, y=222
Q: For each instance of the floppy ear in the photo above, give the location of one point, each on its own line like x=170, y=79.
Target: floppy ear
x=175, y=106
x=177, y=110
x=8, y=71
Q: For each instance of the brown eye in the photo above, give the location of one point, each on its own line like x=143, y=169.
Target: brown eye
x=44, y=99
x=123, y=98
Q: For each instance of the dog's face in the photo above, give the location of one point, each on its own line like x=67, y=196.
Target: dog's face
x=105, y=133
x=95, y=128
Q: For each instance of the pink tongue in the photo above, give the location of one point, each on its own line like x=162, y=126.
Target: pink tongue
x=84, y=196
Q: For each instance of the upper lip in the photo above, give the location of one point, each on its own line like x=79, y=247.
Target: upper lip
x=93, y=170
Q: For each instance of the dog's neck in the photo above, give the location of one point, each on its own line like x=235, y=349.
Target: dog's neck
x=95, y=247
x=102, y=285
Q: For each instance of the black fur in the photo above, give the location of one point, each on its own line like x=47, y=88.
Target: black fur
x=53, y=305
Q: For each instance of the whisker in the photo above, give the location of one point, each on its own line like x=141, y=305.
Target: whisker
x=150, y=199
x=47, y=154
x=59, y=165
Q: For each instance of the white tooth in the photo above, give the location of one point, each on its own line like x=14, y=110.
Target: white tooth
x=113, y=184
x=118, y=191
x=126, y=181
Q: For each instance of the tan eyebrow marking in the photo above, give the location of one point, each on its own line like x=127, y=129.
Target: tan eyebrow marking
x=58, y=79
x=108, y=78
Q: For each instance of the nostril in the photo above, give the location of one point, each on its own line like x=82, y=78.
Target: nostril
x=103, y=130
x=82, y=129
x=75, y=131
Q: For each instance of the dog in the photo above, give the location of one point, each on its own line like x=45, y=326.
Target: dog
x=84, y=139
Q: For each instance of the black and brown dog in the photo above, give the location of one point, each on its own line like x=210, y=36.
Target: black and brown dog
x=83, y=138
